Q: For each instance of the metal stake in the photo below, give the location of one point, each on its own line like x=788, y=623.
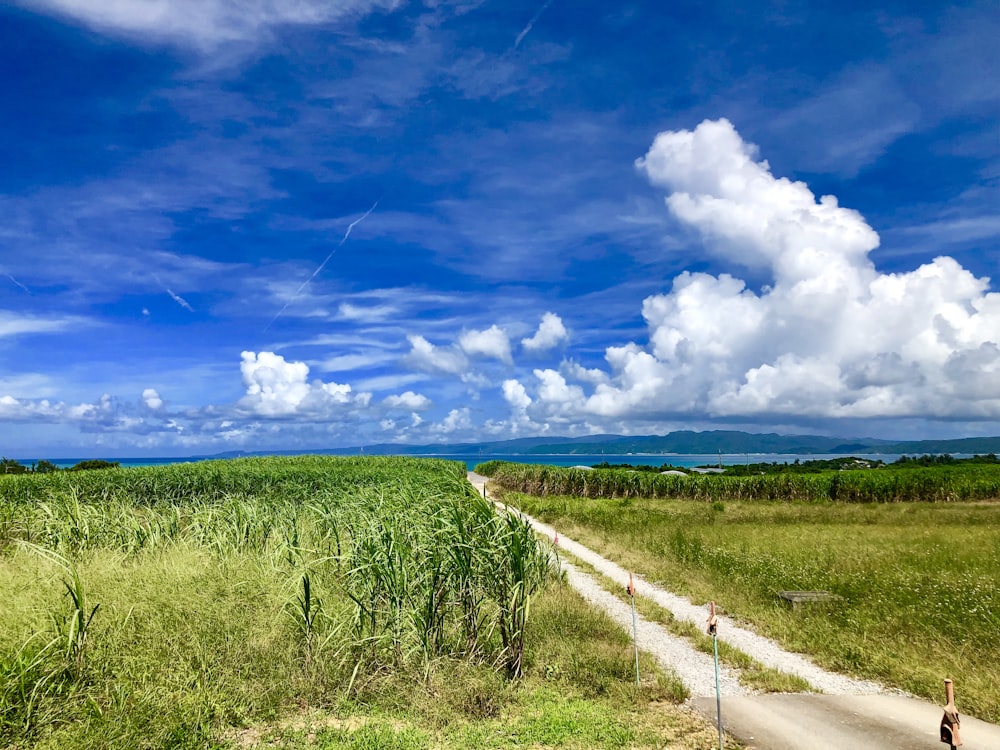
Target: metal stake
x=635, y=627
x=713, y=628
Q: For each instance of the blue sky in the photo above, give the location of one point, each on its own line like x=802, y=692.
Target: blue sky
x=326, y=223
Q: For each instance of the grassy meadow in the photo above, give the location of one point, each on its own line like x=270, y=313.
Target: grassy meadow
x=888, y=484
x=312, y=602
x=919, y=581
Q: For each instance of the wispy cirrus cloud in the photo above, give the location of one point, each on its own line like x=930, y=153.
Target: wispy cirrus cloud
x=19, y=324
x=531, y=24
x=115, y=233
x=203, y=24
x=321, y=266
x=17, y=283
x=848, y=123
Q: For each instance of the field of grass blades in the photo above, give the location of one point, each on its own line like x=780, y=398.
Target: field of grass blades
x=187, y=606
x=961, y=483
x=919, y=582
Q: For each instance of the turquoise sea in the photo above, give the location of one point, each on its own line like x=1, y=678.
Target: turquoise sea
x=650, y=459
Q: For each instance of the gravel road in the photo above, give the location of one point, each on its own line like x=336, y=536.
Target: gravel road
x=764, y=650
x=694, y=668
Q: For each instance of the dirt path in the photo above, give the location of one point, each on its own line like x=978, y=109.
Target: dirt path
x=849, y=713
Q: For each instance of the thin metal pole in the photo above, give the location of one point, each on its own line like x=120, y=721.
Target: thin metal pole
x=635, y=627
x=718, y=693
x=635, y=641
x=713, y=630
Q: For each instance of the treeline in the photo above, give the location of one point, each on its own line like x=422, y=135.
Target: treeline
x=921, y=483
x=844, y=463
x=943, y=459
x=816, y=466
x=641, y=467
x=10, y=466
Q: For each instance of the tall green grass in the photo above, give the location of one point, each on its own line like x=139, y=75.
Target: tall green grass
x=919, y=582
x=885, y=485
x=320, y=573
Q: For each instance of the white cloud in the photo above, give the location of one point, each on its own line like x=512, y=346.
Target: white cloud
x=201, y=23
x=830, y=337
x=274, y=386
x=492, y=342
x=15, y=409
x=423, y=355
x=389, y=382
x=409, y=400
x=107, y=414
x=560, y=397
x=29, y=385
x=152, y=399
x=278, y=388
x=576, y=371
x=551, y=332
x=515, y=395
x=15, y=324
x=458, y=420
x=366, y=314
x=351, y=362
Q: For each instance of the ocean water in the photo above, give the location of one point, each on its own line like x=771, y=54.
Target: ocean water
x=674, y=459
x=580, y=459
x=65, y=463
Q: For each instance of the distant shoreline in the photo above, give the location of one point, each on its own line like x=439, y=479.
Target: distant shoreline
x=554, y=459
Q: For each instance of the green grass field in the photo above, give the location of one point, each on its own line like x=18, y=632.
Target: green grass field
x=888, y=484
x=308, y=602
x=920, y=581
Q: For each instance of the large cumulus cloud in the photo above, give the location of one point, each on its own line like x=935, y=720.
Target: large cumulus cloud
x=278, y=388
x=831, y=336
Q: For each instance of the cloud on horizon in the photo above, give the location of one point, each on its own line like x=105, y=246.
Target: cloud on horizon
x=829, y=336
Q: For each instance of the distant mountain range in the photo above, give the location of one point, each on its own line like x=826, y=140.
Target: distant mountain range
x=685, y=441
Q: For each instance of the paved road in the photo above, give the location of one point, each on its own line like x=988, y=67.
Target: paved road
x=834, y=722
x=860, y=715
